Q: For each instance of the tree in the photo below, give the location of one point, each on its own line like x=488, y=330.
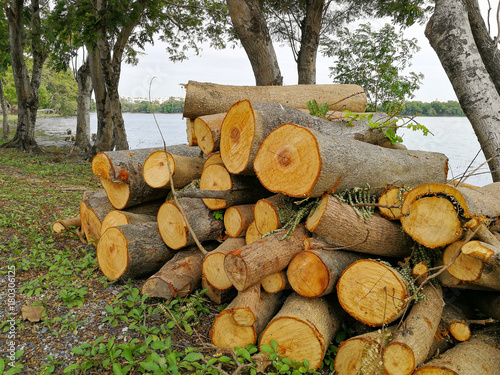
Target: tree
x=250, y=25
x=25, y=25
x=451, y=36
x=4, y=64
x=375, y=60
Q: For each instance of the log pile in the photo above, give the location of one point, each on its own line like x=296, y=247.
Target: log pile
x=301, y=224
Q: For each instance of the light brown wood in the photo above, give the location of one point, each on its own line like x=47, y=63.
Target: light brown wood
x=204, y=98
x=207, y=132
x=267, y=212
x=184, y=169
x=339, y=224
x=465, y=268
x=412, y=342
x=132, y=251
x=245, y=306
x=275, y=283
x=420, y=272
x=314, y=273
x=489, y=280
x=213, y=159
x=213, y=264
x=372, y=292
x=61, y=225
x=116, y=218
x=237, y=219
x=299, y=162
x=455, y=322
x=482, y=251
x=173, y=228
x=391, y=197
x=250, y=264
x=478, y=356
x=94, y=206
x=252, y=233
x=303, y=329
x=242, y=189
x=178, y=277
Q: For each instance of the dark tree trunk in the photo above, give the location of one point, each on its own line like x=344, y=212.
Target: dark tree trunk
x=450, y=35
x=488, y=48
x=310, y=29
x=250, y=25
x=26, y=87
x=5, y=116
x=84, y=80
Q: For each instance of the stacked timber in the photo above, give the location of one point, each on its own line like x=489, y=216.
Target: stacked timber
x=302, y=224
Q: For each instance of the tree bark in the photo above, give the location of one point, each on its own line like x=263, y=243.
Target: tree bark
x=372, y=292
x=5, y=115
x=300, y=162
x=303, y=329
x=84, y=81
x=251, y=27
x=450, y=35
x=309, y=43
x=27, y=86
x=132, y=251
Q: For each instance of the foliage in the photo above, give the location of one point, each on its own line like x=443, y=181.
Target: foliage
x=449, y=108
x=375, y=60
x=317, y=110
x=282, y=364
x=172, y=105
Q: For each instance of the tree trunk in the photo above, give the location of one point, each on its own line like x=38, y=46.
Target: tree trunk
x=372, y=292
x=303, y=329
x=433, y=214
x=411, y=343
x=300, y=162
x=237, y=219
x=478, y=356
x=309, y=43
x=213, y=264
x=132, y=251
x=242, y=189
x=84, y=80
x=341, y=226
x=250, y=25
x=173, y=227
x=314, y=273
x=116, y=218
x=26, y=87
x=250, y=264
x=178, y=277
x=207, y=132
x=5, y=115
x=210, y=98
x=450, y=35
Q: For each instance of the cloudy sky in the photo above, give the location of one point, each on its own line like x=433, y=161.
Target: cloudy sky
x=231, y=67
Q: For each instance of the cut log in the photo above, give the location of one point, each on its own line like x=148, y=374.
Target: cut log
x=61, y=225
x=276, y=282
x=191, y=136
x=178, y=277
x=372, y=292
x=489, y=280
x=209, y=98
x=339, y=224
x=227, y=333
x=237, y=219
x=299, y=161
x=218, y=296
x=184, y=169
x=207, y=132
x=242, y=189
x=268, y=212
x=412, y=342
x=317, y=243
x=303, y=329
x=482, y=251
x=391, y=197
x=455, y=322
x=464, y=268
x=433, y=214
x=116, y=218
x=173, y=228
x=94, y=206
x=213, y=159
x=248, y=123
x=478, y=356
x=420, y=272
x=213, y=264
x=252, y=233
x=362, y=354
x=250, y=264
x=314, y=273
x=132, y=251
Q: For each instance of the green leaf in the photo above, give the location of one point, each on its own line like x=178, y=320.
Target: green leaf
x=149, y=366
x=77, y=350
x=193, y=356
x=74, y=366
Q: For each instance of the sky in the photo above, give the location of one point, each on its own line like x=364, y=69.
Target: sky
x=231, y=67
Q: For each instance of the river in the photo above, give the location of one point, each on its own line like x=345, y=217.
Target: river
x=452, y=136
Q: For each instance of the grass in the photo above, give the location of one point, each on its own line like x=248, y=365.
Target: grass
x=89, y=324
